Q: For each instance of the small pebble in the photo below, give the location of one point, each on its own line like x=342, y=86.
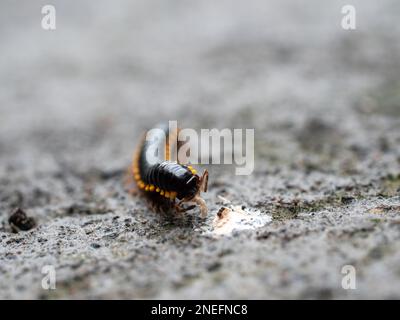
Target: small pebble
x=19, y=221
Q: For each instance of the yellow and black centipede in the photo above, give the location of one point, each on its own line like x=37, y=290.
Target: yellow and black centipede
x=167, y=183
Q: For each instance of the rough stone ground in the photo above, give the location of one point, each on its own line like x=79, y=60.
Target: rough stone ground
x=325, y=104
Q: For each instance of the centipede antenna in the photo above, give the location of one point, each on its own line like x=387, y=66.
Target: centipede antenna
x=202, y=204
x=204, y=181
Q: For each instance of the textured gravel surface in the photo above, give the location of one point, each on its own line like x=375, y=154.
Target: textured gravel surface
x=325, y=106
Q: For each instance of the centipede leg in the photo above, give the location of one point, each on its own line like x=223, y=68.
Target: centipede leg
x=179, y=209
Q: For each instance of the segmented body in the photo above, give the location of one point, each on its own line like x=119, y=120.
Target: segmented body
x=164, y=180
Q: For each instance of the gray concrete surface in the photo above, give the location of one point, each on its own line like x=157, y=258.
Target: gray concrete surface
x=325, y=106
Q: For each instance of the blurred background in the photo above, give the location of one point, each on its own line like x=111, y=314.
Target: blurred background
x=324, y=103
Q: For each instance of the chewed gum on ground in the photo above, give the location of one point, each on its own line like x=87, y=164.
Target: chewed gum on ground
x=235, y=218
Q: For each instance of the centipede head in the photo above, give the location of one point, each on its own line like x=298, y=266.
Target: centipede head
x=202, y=186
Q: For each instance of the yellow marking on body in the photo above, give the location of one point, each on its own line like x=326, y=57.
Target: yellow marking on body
x=167, y=194
x=167, y=155
x=157, y=189
x=162, y=192
x=192, y=170
x=172, y=136
x=151, y=188
x=173, y=195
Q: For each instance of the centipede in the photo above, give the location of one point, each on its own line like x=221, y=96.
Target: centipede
x=168, y=185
